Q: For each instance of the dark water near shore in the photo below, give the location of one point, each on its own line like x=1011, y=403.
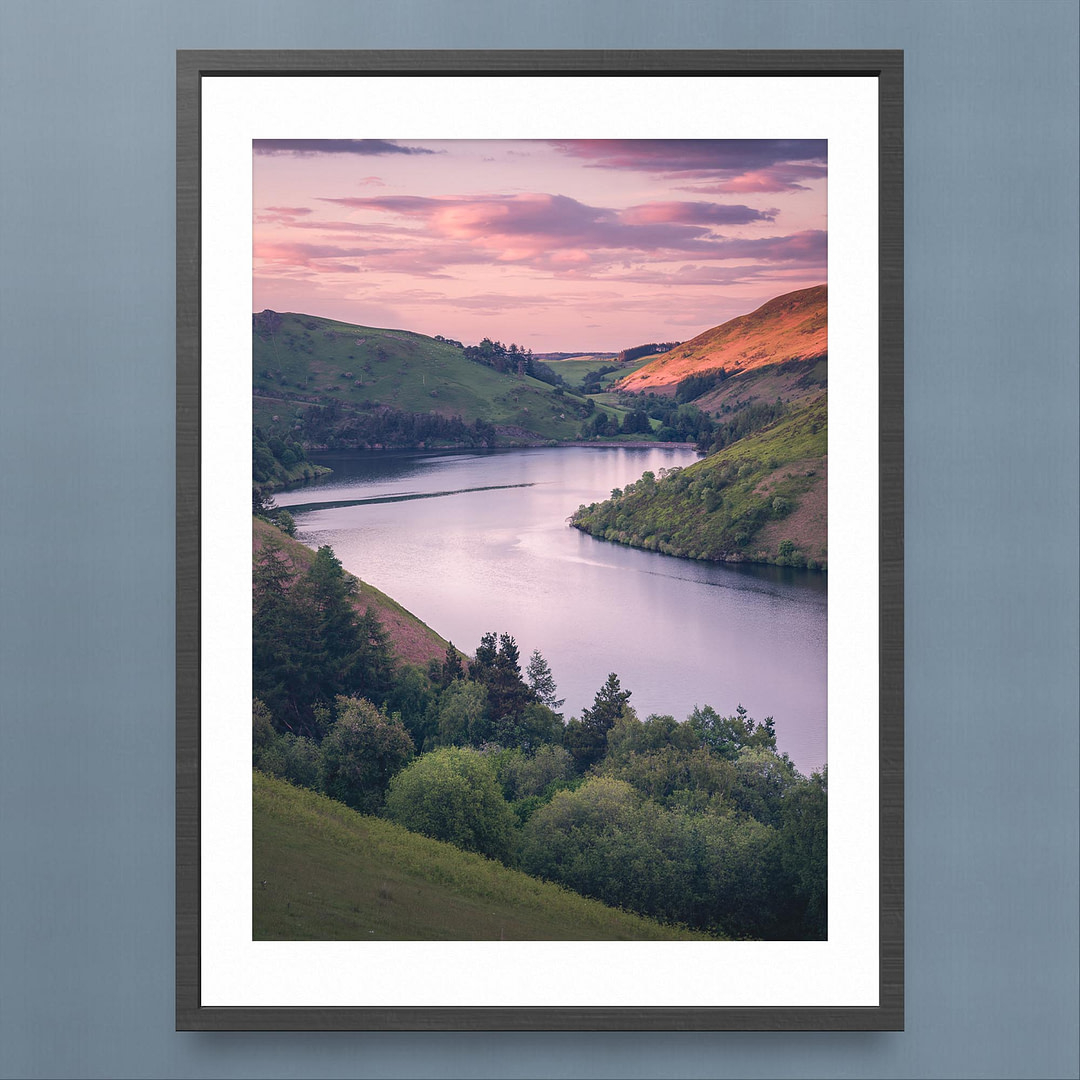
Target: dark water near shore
x=475, y=541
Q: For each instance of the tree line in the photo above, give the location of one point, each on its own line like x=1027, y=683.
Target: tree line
x=639, y=351
x=510, y=359
x=337, y=426
x=702, y=822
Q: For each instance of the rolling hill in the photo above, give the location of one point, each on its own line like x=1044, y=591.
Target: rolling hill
x=327, y=383
x=775, y=349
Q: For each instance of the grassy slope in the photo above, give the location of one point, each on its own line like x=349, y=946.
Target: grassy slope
x=324, y=872
x=789, y=327
x=721, y=508
x=413, y=640
x=307, y=359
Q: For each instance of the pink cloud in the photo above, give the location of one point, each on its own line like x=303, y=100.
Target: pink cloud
x=285, y=215
x=773, y=179
x=544, y=232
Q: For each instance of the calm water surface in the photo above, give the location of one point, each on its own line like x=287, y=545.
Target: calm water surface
x=476, y=541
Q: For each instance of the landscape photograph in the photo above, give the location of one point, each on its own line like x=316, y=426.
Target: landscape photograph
x=539, y=540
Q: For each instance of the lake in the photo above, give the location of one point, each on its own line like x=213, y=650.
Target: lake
x=475, y=541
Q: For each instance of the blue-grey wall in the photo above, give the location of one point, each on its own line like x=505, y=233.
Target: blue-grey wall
x=86, y=535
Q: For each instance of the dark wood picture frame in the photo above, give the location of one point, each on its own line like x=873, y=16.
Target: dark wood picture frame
x=887, y=68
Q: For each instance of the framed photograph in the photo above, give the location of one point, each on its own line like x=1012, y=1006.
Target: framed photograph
x=566, y=391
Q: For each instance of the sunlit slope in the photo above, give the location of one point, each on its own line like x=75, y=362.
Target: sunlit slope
x=321, y=871
x=789, y=329
x=302, y=361
x=761, y=499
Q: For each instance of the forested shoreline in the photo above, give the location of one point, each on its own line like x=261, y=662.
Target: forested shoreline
x=699, y=821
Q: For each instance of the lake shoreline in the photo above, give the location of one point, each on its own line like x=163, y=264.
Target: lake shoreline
x=498, y=556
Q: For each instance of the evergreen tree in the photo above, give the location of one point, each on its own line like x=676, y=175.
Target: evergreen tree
x=542, y=682
x=607, y=706
x=331, y=594
x=586, y=739
x=452, y=667
x=285, y=658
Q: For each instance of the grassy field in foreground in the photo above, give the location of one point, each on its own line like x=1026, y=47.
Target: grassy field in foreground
x=324, y=872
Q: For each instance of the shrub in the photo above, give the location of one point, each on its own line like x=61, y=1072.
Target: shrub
x=451, y=794
x=362, y=751
x=291, y=757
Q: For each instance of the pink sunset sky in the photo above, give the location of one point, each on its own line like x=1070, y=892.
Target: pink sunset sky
x=557, y=245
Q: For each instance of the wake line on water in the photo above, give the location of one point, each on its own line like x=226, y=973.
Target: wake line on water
x=300, y=508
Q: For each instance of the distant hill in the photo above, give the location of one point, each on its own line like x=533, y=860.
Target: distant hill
x=413, y=641
x=324, y=872
x=321, y=382
x=790, y=331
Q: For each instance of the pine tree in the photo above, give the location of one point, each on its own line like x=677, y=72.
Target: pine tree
x=542, y=682
x=452, y=667
x=586, y=739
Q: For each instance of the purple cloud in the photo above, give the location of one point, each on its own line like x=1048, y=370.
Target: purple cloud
x=694, y=213
x=731, y=164
x=521, y=227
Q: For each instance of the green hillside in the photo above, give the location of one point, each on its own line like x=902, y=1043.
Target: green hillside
x=761, y=499
x=327, y=383
x=324, y=872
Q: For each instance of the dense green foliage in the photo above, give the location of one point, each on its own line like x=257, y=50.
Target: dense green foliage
x=693, y=386
x=745, y=420
x=276, y=462
x=715, y=508
x=335, y=426
x=705, y=870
